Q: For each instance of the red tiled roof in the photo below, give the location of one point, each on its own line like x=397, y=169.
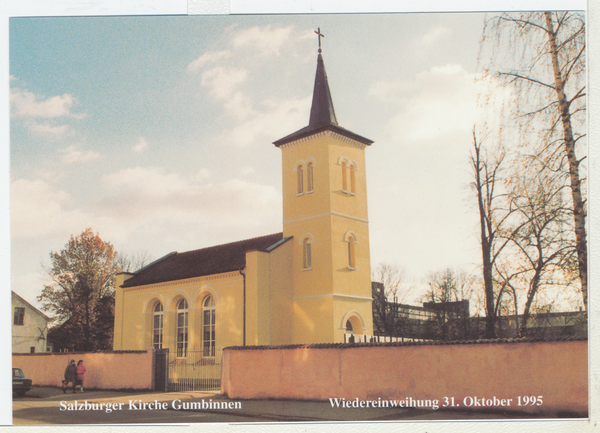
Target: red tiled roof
x=205, y=261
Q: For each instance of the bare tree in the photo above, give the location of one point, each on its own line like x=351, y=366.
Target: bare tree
x=390, y=289
x=128, y=262
x=449, y=293
x=543, y=237
x=541, y=55
x=487, y=170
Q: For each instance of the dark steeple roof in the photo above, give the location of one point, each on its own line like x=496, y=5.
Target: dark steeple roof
x=207, y=261
x=322, y=113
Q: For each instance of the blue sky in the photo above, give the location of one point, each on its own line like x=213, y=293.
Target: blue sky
x=156, y=132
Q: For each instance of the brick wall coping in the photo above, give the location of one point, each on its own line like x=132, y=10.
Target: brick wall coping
x=408, y=343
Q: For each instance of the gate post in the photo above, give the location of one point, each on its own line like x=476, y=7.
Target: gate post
x=161, y=370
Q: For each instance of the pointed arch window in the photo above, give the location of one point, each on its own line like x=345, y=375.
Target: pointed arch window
x=157, y=326
x=352, y=168
x=349, y=170
x=351, y=240
x=300, y=175
x=344, y=176
x=307, y=252
x=208, y=327
x=182, y=328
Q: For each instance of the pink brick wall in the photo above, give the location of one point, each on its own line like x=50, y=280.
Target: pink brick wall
x=105, y=370
x=557, y=371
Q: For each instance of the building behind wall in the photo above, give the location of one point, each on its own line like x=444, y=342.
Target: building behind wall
x=309, y=283
x=29, y=327
x=452, y=321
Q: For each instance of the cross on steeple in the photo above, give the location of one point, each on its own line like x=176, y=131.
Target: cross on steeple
x=320, y=35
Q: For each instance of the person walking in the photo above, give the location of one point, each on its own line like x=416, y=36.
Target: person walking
x=70, y=376
x=80, y=370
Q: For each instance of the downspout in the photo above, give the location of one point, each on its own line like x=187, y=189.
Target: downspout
x=242, y=272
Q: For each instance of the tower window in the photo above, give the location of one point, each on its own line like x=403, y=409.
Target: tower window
x=352, y=169
x=307, y=253
x=208, y=325
x=182, y=328
x=351, y=240
x=300, y=180
x=309, y=177
x=344, y=176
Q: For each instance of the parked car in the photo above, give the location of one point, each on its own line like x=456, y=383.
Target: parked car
x=20, y=383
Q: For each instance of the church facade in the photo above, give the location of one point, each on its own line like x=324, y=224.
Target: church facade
x=310, y=283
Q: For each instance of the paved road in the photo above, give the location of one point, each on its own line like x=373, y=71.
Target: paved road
x=46, y=405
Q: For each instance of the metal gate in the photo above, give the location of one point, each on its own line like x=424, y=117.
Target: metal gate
x=194, y=372
x=161, y=371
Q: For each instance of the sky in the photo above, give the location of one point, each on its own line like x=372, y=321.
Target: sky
x=156, y=132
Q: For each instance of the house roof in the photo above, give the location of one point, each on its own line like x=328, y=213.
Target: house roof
x=206, y=261
x=322, y=113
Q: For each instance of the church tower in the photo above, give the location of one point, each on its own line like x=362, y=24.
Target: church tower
x=325, y=211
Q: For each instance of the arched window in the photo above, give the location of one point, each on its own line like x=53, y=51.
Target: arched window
x=208, y=325
x=300, y=179
x=182, y=328
x=307, y=253
x=157, y=326
x=352, y=169
x=351, y=240
x=309, y=177
x=344, y=176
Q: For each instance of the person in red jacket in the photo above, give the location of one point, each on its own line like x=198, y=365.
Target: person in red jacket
x=80, y=373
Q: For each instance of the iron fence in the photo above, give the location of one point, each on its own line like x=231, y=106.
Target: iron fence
x=195, y=372
x=363, y=338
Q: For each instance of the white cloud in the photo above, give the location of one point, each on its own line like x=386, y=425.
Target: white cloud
x=222, y=81
x=47, y=129
x=437, y=102
x=38, y=210
x=202, y=174
x=72, y=155
x=266, y=40
x=24, y=103
x=434, y=35
x=245, y=171
x=239, y=106
x=278, y=119
x=208, y=58
x=141, y=145
x=149, y=197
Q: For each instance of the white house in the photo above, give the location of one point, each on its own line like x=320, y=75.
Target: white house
x=30, y=327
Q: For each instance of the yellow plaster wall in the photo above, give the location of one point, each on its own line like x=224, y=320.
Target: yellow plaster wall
x=315, y=203
x=313, y=319
x=356, y=282
x=134, y=325
x=258, y=318
x=281, y=293
x=345, y=308
x=327, y=214
x=347, y=204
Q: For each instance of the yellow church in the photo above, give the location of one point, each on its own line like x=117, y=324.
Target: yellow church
x=310, y=283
